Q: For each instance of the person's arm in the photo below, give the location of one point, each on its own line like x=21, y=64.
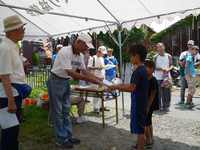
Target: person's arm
x=197, y=63
x=117, y=68
x=5, y=72
x=182, y=60
x=95, y=68
x=8, y=90
x=123, y=87
x=89, y=74
x=159, y=69
x=170, y=60
x=151, y=98
x=170, y=63
x=78, y=76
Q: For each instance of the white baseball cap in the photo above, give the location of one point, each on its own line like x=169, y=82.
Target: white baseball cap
x=190, y=42
x=59, y=46
x=102, y=49
x=86, y=38
x=12, y=23
x=196, y=47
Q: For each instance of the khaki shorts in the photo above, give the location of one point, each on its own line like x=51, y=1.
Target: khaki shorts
x=191, y=85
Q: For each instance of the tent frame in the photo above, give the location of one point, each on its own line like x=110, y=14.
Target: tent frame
x=48, y=34
x=116, y=22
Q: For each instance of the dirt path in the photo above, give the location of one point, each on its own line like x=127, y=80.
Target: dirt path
x=177, y=130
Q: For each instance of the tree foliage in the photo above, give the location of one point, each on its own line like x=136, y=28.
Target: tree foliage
x=134, y=35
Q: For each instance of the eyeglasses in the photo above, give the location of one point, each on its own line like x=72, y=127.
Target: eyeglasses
x=22, y=29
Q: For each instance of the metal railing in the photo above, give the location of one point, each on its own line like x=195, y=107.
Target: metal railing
x=37, y=76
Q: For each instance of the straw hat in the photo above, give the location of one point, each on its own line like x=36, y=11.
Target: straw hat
x=12, y=23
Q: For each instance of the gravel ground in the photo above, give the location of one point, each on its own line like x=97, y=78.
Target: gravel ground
x=177, y=130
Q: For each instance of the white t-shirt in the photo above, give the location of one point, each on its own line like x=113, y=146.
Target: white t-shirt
x=66, y=60
x=161, y=62
x=97, y=62
x=185, y=53
x=11, y=63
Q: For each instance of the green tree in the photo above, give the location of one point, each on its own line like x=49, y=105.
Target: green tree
x=134, y=35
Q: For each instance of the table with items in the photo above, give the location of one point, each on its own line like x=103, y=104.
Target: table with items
x=99, y=92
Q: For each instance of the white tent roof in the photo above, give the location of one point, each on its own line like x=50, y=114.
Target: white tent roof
x=91, y=14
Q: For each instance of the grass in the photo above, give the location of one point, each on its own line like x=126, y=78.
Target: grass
x=35, y=128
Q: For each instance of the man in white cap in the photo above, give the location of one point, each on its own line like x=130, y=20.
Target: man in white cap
x=182, y=62
x=11, y=72
x=58, y=48
x=68, y=64
x=97, y=66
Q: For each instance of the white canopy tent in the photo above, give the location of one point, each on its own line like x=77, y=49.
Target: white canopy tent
x=51, y=18
x=57, y=17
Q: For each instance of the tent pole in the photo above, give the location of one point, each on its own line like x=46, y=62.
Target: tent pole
x=160, y=15
x=57, y=14
x=121, y=62
x=108, y=11
x=92, y=28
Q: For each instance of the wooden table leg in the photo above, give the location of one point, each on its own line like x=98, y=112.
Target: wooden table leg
x=117, y=117
x=86, y=95
x=103, y=115
x=85, y=99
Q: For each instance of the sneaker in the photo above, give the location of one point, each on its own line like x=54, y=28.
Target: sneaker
x=67, y=145
x=81, y=119
x=75, y=141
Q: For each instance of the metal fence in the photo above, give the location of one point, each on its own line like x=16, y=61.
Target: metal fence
x=37, y=76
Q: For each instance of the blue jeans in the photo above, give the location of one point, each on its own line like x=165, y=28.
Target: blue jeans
x=9, y=136
x=60, y=104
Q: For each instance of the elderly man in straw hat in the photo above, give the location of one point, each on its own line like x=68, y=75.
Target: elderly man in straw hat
x=68, y=64
x=11, y=72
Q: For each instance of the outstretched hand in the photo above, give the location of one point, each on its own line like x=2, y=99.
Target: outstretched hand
x=112, y=87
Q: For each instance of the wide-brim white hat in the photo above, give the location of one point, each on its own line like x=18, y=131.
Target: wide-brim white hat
x=12, y=23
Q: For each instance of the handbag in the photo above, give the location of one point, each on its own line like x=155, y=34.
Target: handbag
x=167, y=82
x=175, y=73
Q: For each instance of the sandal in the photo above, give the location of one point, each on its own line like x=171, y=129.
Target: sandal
x=149, y=145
